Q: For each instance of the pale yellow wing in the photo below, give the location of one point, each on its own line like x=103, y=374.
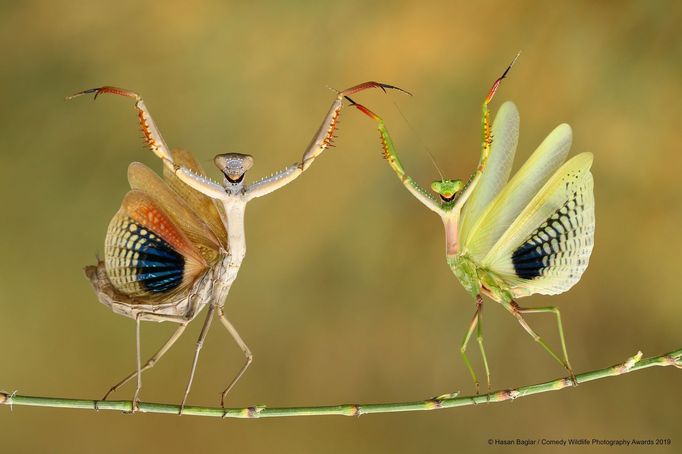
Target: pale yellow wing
x=144, y=179
x=505, y=133
x=516, y=195
x=547, y=247
x=210, y=211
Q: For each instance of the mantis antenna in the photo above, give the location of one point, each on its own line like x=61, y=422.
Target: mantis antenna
x=421, y=141
x=177, y=243
x=511, y=238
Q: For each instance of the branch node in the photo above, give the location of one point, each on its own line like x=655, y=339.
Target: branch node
x=630, y=363
x=672, y=360
x=434, y=403
x=505, y=394
x=8, y=399
x=513, y=394
x=439, y=399
x=254, y=412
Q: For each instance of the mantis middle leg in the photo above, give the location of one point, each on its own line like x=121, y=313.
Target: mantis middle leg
x=247, y=353
x=476, y=325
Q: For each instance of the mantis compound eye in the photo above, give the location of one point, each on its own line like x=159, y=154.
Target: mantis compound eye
x=447, y=189
x=233, y=165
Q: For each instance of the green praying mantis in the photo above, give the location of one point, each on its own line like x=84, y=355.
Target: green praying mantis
x=177, y=243
x=510, y=239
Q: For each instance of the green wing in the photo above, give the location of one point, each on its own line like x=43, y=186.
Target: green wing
x=505, y=135
x=516, y=195
x=547, y=247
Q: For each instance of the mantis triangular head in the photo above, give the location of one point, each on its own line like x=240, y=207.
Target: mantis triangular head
x=447, y=189
x=233, y=165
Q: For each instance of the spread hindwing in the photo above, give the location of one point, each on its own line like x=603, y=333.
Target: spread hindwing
x=547, y=247
x=139, y=262
x=556, y=242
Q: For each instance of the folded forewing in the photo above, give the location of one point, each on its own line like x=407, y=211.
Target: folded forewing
x=505, y=133
x=144, y=179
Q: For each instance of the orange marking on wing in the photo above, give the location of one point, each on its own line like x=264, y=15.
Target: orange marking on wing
x=143, y=211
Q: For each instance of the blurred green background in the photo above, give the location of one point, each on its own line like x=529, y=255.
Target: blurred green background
x=344, y=295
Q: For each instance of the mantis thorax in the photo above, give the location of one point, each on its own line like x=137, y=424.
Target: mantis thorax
x=465, y=271
x=473, y=278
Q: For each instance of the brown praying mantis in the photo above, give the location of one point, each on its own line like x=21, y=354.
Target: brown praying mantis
x=176, y=244
x=510, y=239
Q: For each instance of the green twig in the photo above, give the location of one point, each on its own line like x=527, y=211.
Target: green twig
x=446, y=401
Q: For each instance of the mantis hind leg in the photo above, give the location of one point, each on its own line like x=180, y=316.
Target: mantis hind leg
x=475, y=325
x=554, y=310
x=151, y=361
x=517, y=310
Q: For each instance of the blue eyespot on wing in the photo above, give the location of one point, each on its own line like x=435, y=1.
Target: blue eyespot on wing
x=146, y=254
x=139, y=262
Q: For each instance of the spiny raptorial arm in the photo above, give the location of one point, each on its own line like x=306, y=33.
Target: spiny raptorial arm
x=152, y=136
x=389, y=153
x=486, y=138
x=323, y=139
x=155, y=142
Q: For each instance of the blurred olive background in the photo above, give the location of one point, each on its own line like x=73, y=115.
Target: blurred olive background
x=344, y=295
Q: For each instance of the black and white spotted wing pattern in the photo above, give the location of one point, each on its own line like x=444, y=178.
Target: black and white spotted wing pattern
x=479, y=237
x=547, y=248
